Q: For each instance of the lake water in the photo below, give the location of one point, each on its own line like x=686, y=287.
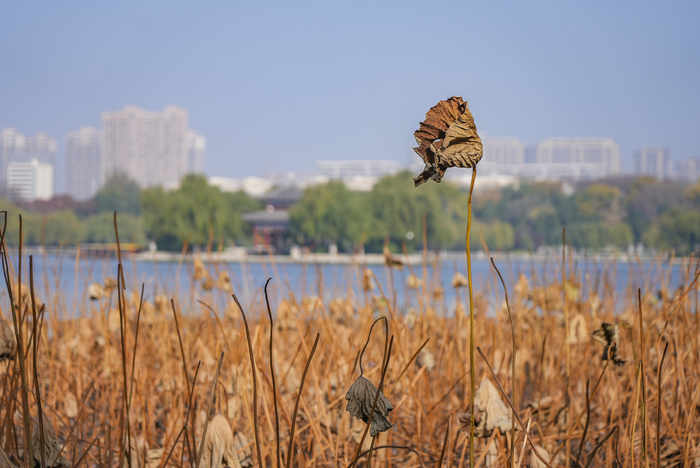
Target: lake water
x=65, y=280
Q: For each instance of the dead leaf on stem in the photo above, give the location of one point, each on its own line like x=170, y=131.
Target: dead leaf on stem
x=360, y=401
x=447, y=138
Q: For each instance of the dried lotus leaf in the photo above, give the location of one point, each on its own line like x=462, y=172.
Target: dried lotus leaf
x=447, y=138
x=609, y=335
x=360, y=398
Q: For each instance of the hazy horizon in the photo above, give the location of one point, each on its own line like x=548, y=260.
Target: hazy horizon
x=277, y=87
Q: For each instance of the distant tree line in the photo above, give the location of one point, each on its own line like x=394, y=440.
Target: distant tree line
x=610, y=213
x=196, y=213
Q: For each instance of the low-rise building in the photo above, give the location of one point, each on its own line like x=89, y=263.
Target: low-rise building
x=271, y=224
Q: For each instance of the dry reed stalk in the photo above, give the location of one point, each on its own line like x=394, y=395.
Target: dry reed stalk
x=522, y=426
x=296, y=405
x=133, y=371
x=124, y=414
x=588, y=420
x=255, y=382
x=211, y=401
x=642, y=376
x=408, y=364
x=522, y=449
x=272, y=376
x=600, y=444
x=578, y=420
x=568, y=344
x=37, y=392
x=190, y=390
x=17, y=321
x=472, y=380
x=513, y=381
x=444, y=444
x=164, y=463
x=633, y=426
x=87, y=450
x=658, y=407
x=402, y=447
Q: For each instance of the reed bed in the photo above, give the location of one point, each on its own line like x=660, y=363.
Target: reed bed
x=135, y=380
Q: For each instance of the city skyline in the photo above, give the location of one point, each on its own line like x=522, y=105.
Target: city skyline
x=157, y=149
x=504, y=156
x=292, y=84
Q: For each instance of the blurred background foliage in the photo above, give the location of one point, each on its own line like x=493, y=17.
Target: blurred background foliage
x=611, y=213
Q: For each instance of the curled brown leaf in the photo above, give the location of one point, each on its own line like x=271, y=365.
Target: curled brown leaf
x=447, y=138
x=360, y=398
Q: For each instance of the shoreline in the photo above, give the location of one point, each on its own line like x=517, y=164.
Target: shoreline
x=414, y=259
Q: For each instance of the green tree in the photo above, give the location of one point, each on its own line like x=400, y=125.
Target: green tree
x=598, y=235
x=120, y=194
x=599, y=202
x=397, y=208
x=57, y=228
x=63, y=228
x=194, y=212
x=677, y=230
x=648, y=199
x=100, y=228
x=330, y=213
x=498, y=235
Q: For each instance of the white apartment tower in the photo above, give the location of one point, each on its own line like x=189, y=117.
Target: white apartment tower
x=503, y=156
x=15, y=147
x=196, y=148
x=30, y=180
x=12, y=144
x=504, y=151
x=84, y=169
x=575, y=158
x=42, y=147
x=688, y=170
x=654, y=161
x=150, y=147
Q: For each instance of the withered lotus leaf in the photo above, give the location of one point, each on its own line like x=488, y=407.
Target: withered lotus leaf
x=360, y=400
x=447, y=138
x=490, y=412
x=391, y=260
x=7, y=341
x=609, y=335
x=53, y=458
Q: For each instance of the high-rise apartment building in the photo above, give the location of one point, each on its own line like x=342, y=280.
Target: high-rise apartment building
x=150, y=147
x=30, y=180
x=574, y=158
x=15, y=147
x=502, y=156
x=654, y=161
x=506, y=151
x=196, y=148
x=42, y=147
x=84, y=170
x=688, y=170
x=12, y=145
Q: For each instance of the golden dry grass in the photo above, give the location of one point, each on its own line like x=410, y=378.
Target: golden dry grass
x=81, y=366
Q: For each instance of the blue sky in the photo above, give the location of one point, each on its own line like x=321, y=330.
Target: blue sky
x=277, y=86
